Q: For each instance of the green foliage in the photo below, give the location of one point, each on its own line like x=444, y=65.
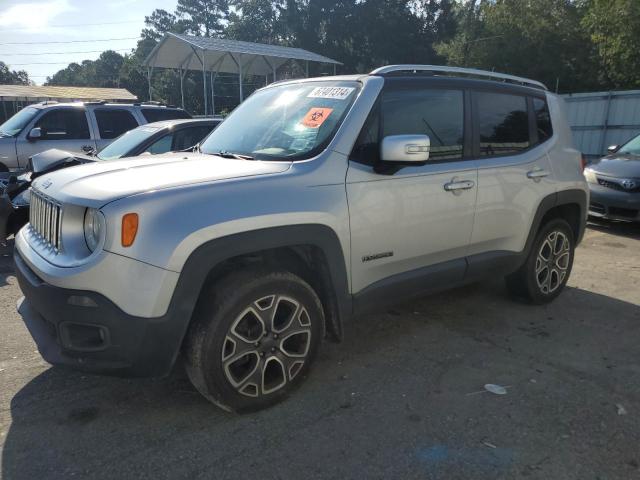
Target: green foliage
x=578, y=45
x=13, y=77
x=541, y=39
x=203, y=17
x=614, y=27
x=103, y=72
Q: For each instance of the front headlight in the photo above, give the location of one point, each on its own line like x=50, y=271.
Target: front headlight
x=93, y=228
x=590, y=175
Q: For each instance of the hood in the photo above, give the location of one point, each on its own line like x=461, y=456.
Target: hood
x=98, y=183
x=618, y=165
x=54, y=158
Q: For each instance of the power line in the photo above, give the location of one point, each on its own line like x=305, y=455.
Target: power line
x=72, y=41
x=72, y=25
x=39, y=63
x=61, y=53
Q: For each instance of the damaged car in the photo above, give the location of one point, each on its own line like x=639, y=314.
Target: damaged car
x=150, y=139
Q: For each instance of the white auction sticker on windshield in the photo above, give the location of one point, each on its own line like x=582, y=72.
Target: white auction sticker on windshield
x=334, y=93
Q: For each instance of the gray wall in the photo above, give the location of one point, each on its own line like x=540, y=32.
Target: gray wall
x=600, y=119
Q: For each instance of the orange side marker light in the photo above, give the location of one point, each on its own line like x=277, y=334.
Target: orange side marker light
x=129, y=229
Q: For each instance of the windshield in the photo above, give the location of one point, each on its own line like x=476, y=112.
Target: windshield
x=287, y=122
x=122, y=145
x=632, y=146
x=15, y=124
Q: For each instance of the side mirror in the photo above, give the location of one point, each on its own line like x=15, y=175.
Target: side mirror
x=35, y=133
x=613, y=148
x=405, y=149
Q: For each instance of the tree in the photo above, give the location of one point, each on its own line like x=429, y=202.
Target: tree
x=102, y=72
x=203, y=17
x=614, y=28
x=541, y=39
x=255, y=21
x=13, y=77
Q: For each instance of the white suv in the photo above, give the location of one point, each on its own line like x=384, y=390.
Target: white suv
x=79, y=127
x=316, y=200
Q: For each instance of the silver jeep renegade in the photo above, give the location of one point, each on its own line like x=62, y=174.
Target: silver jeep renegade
x=315, y=201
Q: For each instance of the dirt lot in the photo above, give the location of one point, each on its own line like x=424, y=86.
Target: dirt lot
x=398, y=399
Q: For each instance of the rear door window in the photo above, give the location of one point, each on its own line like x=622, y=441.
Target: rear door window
x=503, y=123
x=160, y=113
x=64, y=124
x=113, y=123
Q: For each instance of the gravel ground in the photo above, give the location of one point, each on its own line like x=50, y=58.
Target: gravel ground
x=401, y=397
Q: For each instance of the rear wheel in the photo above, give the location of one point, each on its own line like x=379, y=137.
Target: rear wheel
x=254, y=338
x=548, y=266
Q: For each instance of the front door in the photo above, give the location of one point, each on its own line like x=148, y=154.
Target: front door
x=405, y=221
x=64, y=128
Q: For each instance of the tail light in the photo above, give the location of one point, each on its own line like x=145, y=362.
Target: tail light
x=583, y=162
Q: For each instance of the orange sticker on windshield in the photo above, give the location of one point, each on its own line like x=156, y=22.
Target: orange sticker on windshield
x=316, y=117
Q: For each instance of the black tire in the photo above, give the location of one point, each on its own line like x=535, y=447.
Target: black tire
x=525, y=284
x=231, y=316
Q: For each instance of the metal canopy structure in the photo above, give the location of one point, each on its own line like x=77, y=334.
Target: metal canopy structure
x=35, y=93
x=218, y=55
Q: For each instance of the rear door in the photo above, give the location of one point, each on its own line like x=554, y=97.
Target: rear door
x=111, y=123
x=65, y=128
x=403, y=222
x=514, y=172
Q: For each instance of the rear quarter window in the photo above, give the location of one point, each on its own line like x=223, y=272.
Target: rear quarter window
x=159, y=114
x=543, y=119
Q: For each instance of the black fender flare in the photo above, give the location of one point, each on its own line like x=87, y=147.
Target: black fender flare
x=207, y=256
x=564, y=197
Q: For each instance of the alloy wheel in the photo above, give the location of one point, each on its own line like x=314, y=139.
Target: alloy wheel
x=266, y=345
x=552, y=262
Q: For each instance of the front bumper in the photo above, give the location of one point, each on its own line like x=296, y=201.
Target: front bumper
x=87, y=331
x=614, y=204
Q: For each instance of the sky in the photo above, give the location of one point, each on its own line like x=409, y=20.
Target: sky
x=32, y=32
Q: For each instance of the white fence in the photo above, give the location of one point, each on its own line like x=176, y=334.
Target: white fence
x=600, y=119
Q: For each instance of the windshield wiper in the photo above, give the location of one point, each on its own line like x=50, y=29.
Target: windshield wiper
x=238, y=156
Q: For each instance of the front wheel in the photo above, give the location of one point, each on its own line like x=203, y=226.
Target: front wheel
x=254, y=337
x=548, y=266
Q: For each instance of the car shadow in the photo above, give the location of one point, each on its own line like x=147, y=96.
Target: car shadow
x=621, y=229
x=66, y=423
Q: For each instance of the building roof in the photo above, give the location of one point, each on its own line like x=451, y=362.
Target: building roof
x=37, y=93
x=187, y=52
